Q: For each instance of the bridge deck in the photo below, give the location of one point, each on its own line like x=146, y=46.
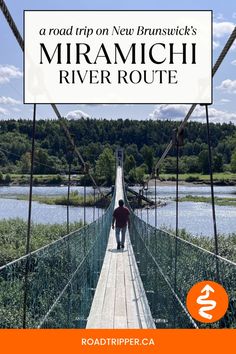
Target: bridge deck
x=119, y=300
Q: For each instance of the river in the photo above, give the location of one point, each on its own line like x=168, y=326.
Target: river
x=196, y=218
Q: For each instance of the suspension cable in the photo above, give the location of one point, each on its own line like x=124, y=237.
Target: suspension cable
x=76, y=150
x=20, y=41
x=84, y=203
x=12, y=24
x=155, y=190
x=27, y=251
x=177, y=208
x=212, y=191
x=94, y=202
x=68, y=199
x=216, y=66
x=177, y=190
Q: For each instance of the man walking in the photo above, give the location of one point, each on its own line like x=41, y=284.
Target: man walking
x=121, y=217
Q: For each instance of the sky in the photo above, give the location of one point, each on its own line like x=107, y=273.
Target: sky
x=224, y=83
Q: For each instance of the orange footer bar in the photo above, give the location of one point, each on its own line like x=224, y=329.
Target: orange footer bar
x=162, y=341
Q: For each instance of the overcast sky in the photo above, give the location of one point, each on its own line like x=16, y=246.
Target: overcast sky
x=11, y=68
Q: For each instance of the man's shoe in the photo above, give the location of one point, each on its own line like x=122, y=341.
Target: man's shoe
x=122, y=246
x=118, y=246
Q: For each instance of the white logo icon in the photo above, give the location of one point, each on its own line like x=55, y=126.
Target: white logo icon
x=202, y=300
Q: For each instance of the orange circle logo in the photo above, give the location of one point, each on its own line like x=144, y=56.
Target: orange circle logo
x=207, y=301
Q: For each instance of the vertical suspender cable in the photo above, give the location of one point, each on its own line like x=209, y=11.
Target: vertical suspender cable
x=84, y=204
x=68, y=243
x=141, y=210
x=177, y=213
x=176, y=141
x=94, y=202
x=155, y=189
x=216, y=66
x=98, y=205
x=68, y=199
x=27, y=251
x=177, y=190
x=146, y=189
x=212, y=192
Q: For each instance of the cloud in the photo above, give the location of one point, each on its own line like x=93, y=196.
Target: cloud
x=233, y=46
x=233, y=62
x=166, y=111
x=228, y=86
x=8, y=100
x=221, y=29
x=98, y=104
x=77, y=115
x=219, y=16
x=178, y=112
x=3, y=111
x=9, y=72
x=216, y=44
x=225, y=100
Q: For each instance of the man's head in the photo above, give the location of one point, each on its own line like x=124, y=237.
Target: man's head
x=121, y=202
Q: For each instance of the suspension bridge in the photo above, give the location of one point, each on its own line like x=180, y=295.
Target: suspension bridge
x=83, y=281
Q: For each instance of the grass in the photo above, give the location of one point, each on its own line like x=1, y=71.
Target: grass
x=218, y=201
x=75, y=200
x=50, y=179
x=226, y=243
x=198, y=177
x=13, y=237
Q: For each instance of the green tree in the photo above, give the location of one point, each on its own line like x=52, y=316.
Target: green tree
x=140, y=173
x=148, y=156
x=3, y=159
x=233, y=162
x=203, y=161
x=169, y=165
x=7, y=179
x=129, y=163
x=105, y=165
x=132, y=149
x=191, y=163
x=218, y=162
x=25, y=162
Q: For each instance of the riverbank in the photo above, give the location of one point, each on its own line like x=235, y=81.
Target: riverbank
x=39, y=180
x=220, y=179
x=75, y=200
x=218, y=201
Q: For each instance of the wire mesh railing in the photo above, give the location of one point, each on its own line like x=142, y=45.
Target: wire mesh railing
x=169, y=266
x=62, y=278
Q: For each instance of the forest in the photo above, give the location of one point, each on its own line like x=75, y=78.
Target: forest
x=97, y=139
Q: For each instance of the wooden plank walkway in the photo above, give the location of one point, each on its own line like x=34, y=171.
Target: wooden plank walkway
x=120, y=300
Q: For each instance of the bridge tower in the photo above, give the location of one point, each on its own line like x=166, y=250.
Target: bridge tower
x=119, y=157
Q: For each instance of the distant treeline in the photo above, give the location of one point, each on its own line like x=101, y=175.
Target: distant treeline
x=143, y=142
